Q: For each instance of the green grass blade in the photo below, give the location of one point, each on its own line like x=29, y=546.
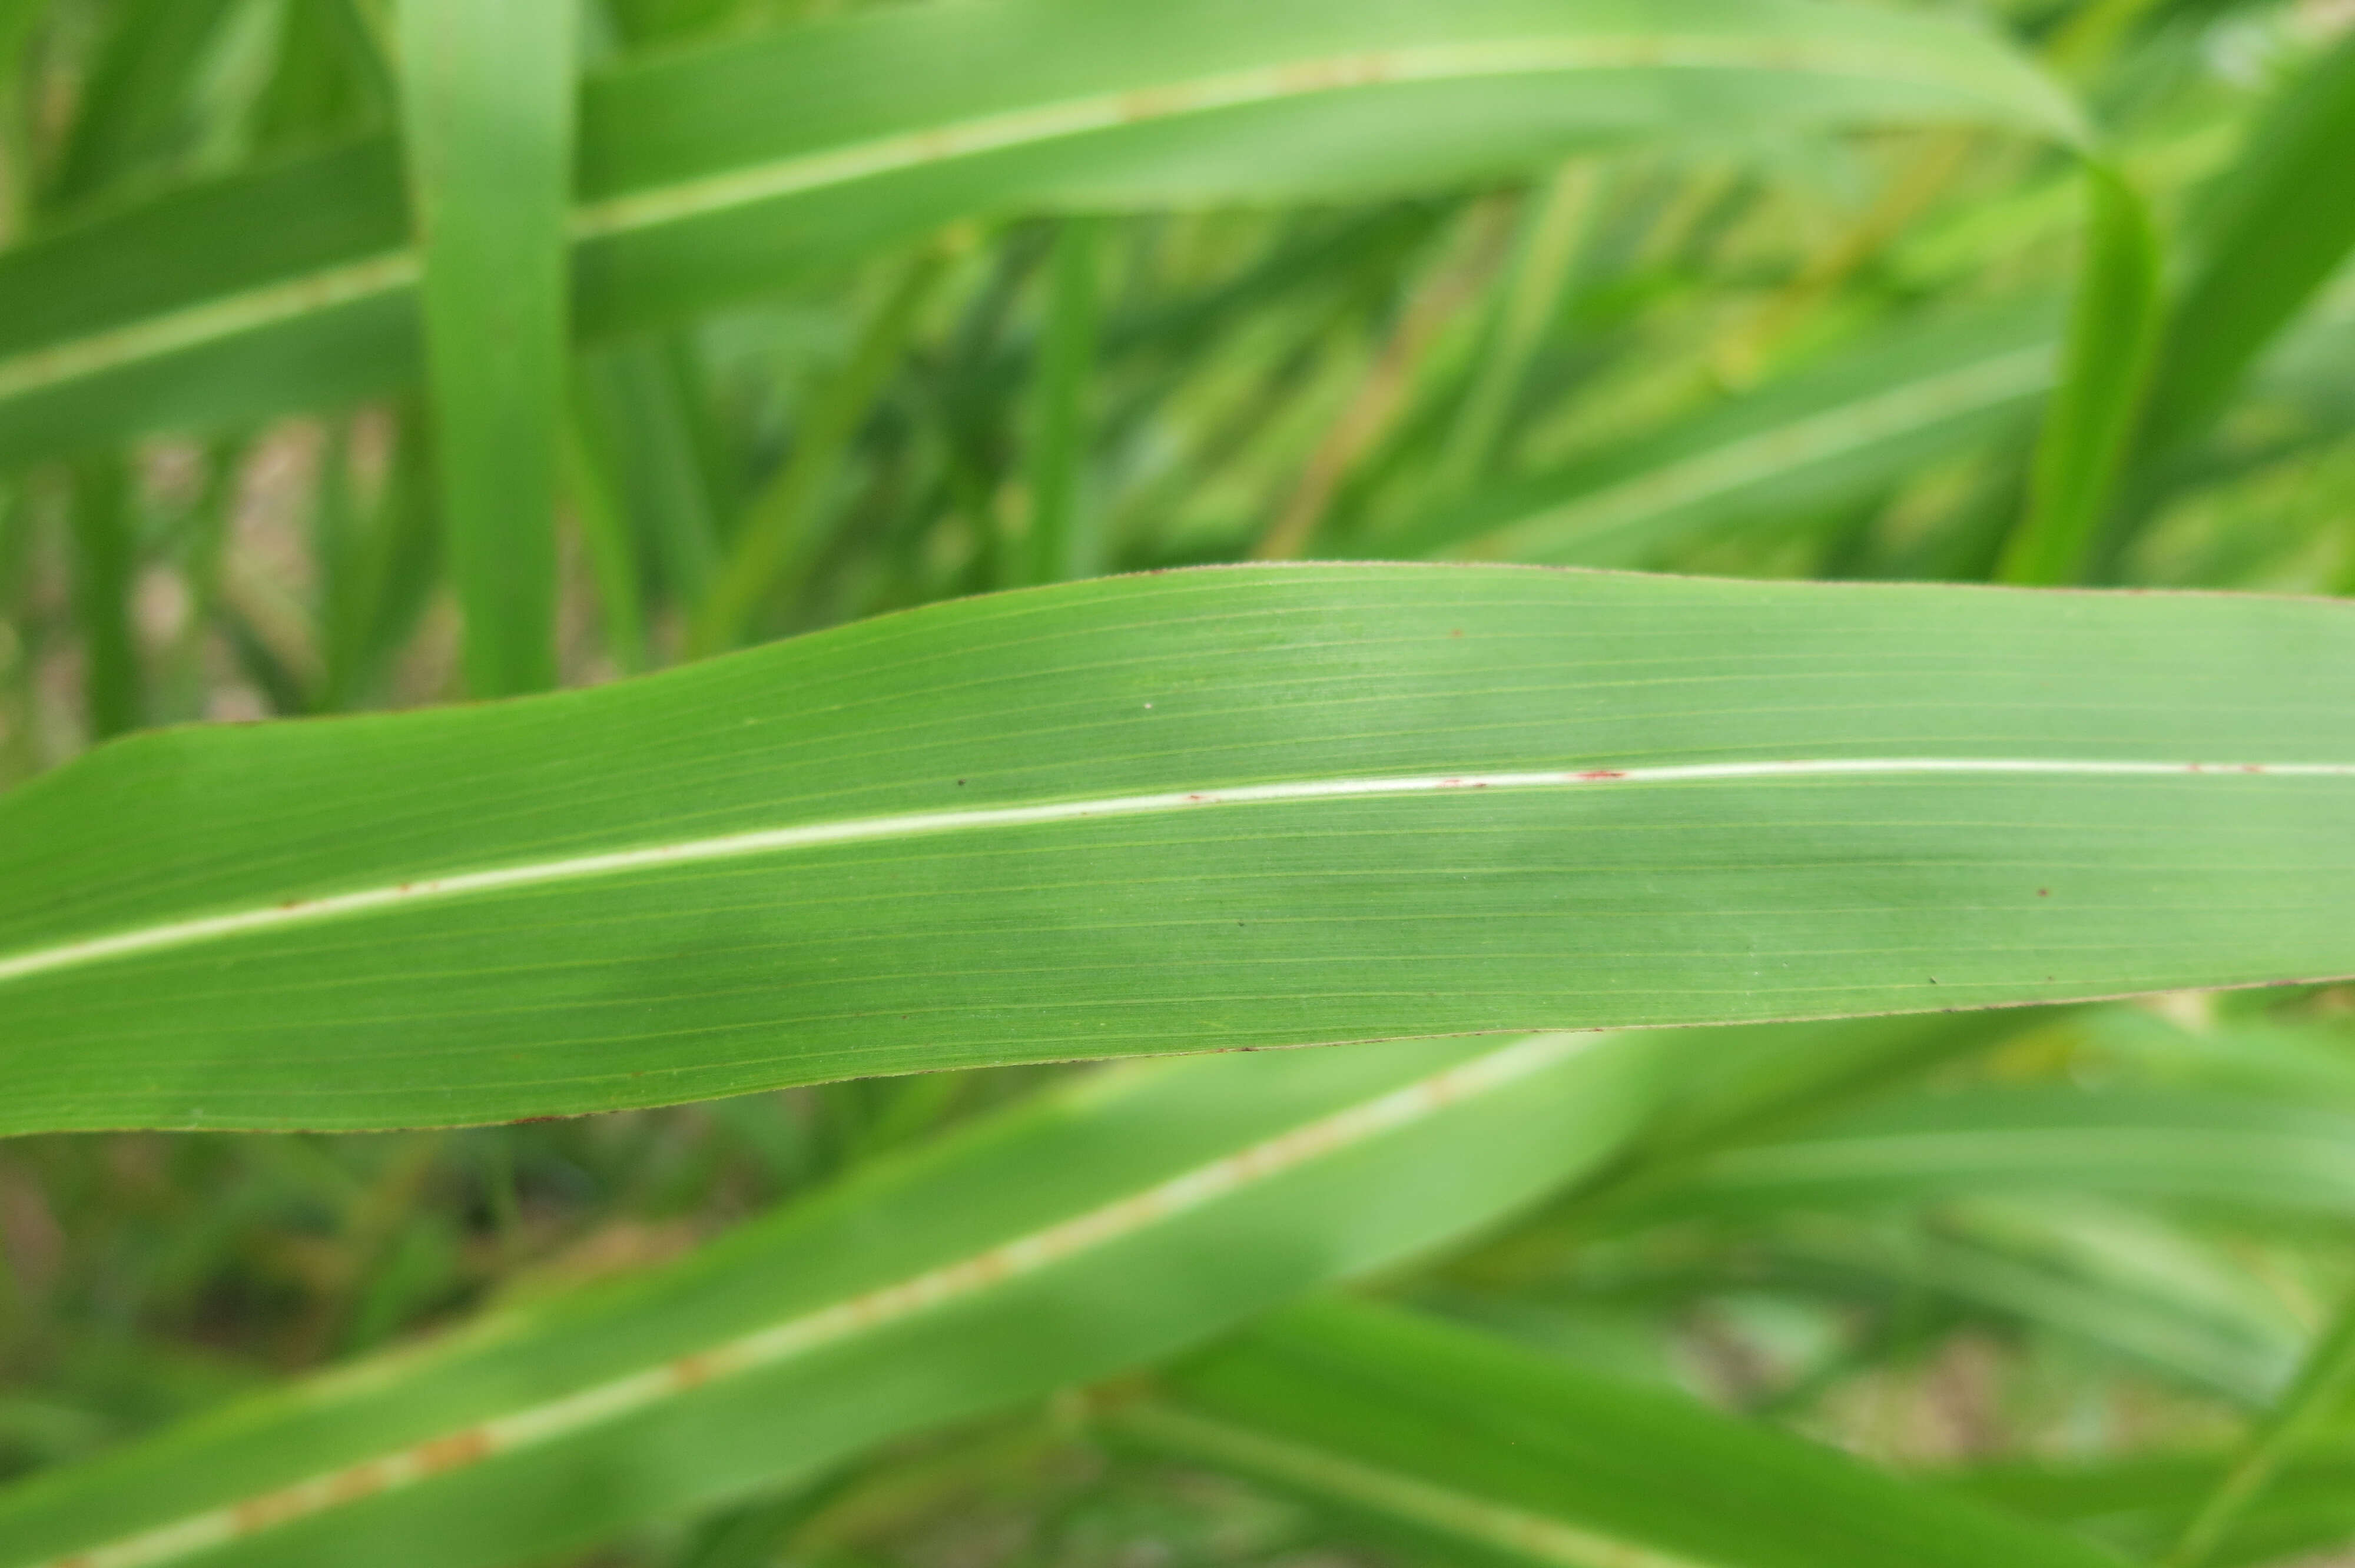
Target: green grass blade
x=1063, y=541
x=2282, y=220
x=694, y=190
x=2253, y=1154
x=2318, y=1395
x=137, y=91
x=781, y=529
x=1123, y=1217
x=1858, y=420
x=1251, y=806
x=1556, y=218
x=488, y=101
x=105, y=562
x=637, y=410
x=1476, y=1446
x=2141, y=1502
x=606, y=538
x=2104, y=1278
x=2112, y=324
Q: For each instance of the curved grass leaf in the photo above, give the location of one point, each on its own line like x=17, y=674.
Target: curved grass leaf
x=1229, y=808
x=486, y=125
x=1475, y=1445
x=693, y=189
x=2112, y=324
x=2124, y=1284
x=1121, y=1218
x=2318, y=1394
x=2281, y=221
x=1857, y=421
x=2142, y=1502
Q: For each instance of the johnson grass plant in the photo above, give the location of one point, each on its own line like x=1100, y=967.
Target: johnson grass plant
x=814, y=574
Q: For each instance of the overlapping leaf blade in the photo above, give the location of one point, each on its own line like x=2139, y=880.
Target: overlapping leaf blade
x=1485, y=1448
x=1092, y=1228
x=694, y=190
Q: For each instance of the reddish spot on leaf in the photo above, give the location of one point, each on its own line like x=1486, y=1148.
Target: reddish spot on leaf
x=1603, y=773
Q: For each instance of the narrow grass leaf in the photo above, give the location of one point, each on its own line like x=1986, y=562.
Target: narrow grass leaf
x=1062, y=542
x=2112, y=324
x=1473, y=1444
x=2140, y=1502
x=695, y=190
x=2318, y=1395
x=2247, y=1152
x=105, y=565
x=781, y=528
x=1117, y=1219
x=1856, y=421
x=487, y=97
x=2280, y=222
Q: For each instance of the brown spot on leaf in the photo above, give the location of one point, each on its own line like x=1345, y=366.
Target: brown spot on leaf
x=453, y=1451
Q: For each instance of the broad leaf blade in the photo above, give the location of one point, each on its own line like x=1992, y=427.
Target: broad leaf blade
x=1199, y=811
x=1119, y=1219
x=694, y=190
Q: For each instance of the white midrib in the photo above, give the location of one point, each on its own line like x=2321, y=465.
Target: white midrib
x=916, y=824
x=600, y=1403
x=374, y=276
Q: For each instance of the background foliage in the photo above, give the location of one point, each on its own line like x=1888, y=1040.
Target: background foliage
x=2059, y=1269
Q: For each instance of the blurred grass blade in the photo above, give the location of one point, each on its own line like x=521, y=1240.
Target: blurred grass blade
x=1062, y=542
x=2318, y=1395
x=105, y=566
x=1120, y=1218
x=1254, y=806
x=136, y=93
x=606, y=538
x=693, y=189
x=2112, y=326
x=2279, y=223
x=486, y=93
x=2256, y=1154
x=1462, y=1442
x=1555, y=221
x=637, y=410
x=1847, y=425
x=780, y=527
x=2113, y=1280
x=2141, y=1501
